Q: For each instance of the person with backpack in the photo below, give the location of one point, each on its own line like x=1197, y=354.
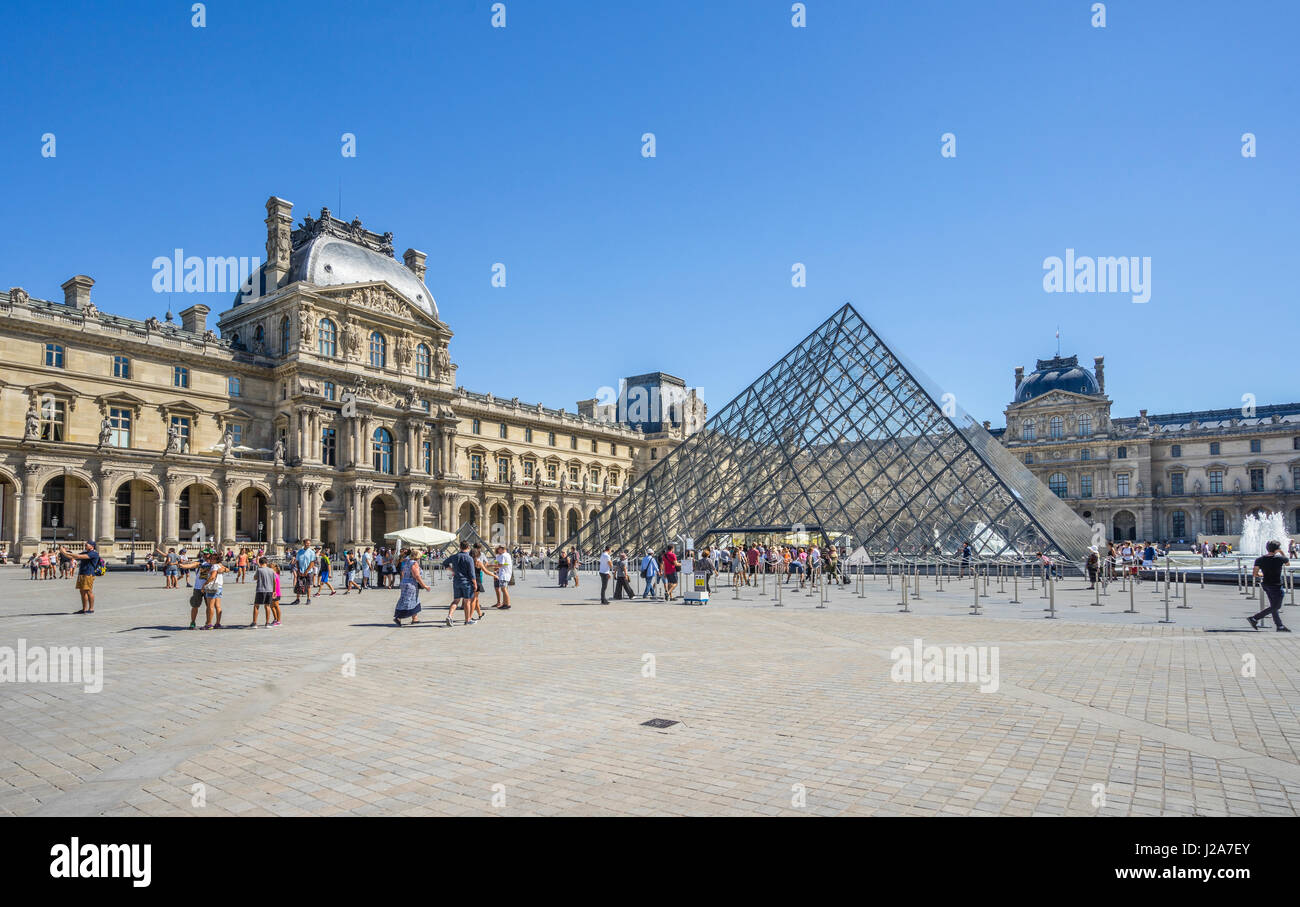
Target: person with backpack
x=91, y=566
x=650, y=573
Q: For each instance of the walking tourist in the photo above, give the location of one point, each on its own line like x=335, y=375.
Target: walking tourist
x=501, y=583
x=408, y=602
x=264, y=582
x=621, y=577
x=461, y=565
x=1268, y=570
x=605, y=570
x=650, y=573
x=303, y=562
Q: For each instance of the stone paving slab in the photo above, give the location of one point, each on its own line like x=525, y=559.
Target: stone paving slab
x=539, y=710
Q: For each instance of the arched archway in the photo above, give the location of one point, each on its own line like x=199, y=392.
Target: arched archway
x=572, y=522
x=196, y=518
x=498, y=525
x=9, y=527
x=524, y=522
x=1124, y=526
x=550, y=525
x=135, y=514
x=385, y=516
x=468, y=513
x=66, y=509
x=252, y=516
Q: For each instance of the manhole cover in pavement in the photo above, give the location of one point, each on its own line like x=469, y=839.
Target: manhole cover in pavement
x=659, y=723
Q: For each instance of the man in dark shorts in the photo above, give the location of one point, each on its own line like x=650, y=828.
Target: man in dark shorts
x=463, y=581
x=1268, y=569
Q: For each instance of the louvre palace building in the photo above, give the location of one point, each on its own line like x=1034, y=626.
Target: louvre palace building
x=1160, y=477
x=322, y=404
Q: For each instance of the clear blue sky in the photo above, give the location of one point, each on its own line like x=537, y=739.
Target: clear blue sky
x=775, y=145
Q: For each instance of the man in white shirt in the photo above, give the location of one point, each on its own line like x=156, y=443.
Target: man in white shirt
x=505, y=563
x=606, y=564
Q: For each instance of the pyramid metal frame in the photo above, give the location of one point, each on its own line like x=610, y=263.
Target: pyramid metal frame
x=844, y=434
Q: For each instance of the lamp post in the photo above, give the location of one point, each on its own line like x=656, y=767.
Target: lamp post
x=54, y=532
x=135, y=533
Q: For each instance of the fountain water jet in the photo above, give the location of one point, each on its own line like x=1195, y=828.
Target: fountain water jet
x=1258, y=530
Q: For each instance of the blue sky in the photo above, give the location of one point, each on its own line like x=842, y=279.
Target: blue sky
x=775, y=145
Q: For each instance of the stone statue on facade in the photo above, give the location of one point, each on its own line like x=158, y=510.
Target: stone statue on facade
x=32, y=426
x=442, y=359
x=105, y=433
x=173, y=440
x=228, y=444
x=152, y=323
x=18, y=296
x=278, y=453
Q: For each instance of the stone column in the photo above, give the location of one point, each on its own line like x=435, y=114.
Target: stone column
x=171, y=511
x=101, y=516
x=228, y=514
x=32, y=500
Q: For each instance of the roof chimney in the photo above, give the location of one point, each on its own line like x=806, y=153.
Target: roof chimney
x=195, y=318
x=1020, y=375
x=279, y=245
x=1098, y=370
x=76, y=292
x=415, y=261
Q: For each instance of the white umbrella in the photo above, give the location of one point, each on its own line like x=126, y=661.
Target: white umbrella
x=421, y=536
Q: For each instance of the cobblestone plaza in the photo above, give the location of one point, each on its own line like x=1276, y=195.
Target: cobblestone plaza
x=540, y=711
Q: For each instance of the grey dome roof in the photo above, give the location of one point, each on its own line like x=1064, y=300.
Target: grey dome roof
x=1062, y=373
x=329, y=261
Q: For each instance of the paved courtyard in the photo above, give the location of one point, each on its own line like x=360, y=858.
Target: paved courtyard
x=785, y=710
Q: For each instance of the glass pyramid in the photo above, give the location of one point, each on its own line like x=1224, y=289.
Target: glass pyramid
x=845, y=441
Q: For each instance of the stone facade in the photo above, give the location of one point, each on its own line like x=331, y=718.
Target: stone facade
x=1172, y=476
x=322, y=405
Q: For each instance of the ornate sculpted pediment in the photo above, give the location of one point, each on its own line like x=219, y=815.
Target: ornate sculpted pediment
x=379, y=299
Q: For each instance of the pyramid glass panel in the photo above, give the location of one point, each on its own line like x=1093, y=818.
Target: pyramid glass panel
x=847, y=439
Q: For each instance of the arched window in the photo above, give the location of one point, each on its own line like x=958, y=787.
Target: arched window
x=284, y=336
x=1027, y=430
x=525, y=523
x=422, y=361
x=550, y=524
x=259, y=339
x=327, y=338
x=573, y=522
x=1178, y=523
x=383, y=451
x=378, y=350
x=1059, y=484
x=1056, y=427
x=1216, y=522
x=1295, y=526
x=1085, y=424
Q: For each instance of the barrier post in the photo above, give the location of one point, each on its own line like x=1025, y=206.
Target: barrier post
x=1131, y=609
x=1051, y=598
x=1015, y=587
x=975, y=603
x=1185, y=603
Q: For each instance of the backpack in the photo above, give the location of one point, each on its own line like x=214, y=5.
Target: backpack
x=98, y=565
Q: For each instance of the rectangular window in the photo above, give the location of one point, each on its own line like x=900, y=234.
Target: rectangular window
x=550, y=438
x=182, y=426
x=613, y=449
x=53, y=355
x=1176, y=450
x=1255, y=446
x=121, y=367
x=573, y=442
x=237, y=434
x=180, y=376
x=1085, y=454
x=1121, y=485
x=1085, y=486
x=504, y=432
x=234, y=386
x=1122, y=453
x=594, y=448
x=54, y=416
x=1176, y=483
x=475, y=466
x=551, y=471
x=503, y=469
x=476, y=427
x=1257, y=480
x=426, y=457
x=1216, y=481
x=1295, y=478
x=329, y=391
x=119, y=423
x=573, y=475
x=1214, y=448
x=329, y=447
x=528, y=435
x=1179, y=524
x=528, y=470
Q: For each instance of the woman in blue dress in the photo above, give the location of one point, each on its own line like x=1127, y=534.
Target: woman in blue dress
x=408, y=602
